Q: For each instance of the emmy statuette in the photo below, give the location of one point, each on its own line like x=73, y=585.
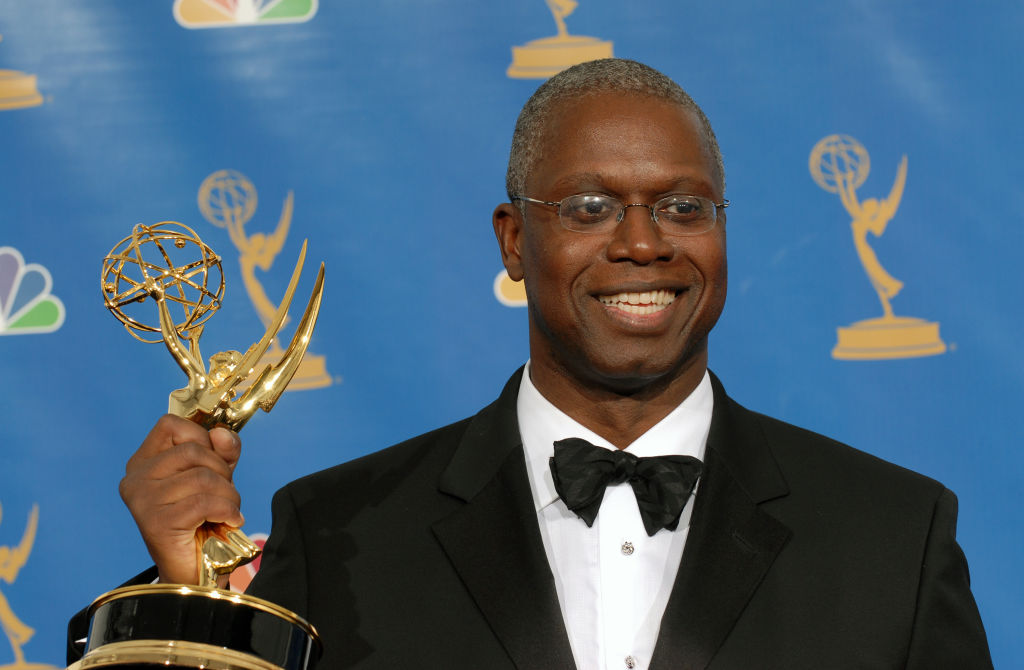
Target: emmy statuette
x=200, y=626
x=840, y=164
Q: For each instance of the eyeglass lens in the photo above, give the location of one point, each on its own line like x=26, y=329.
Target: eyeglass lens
x=678, y=214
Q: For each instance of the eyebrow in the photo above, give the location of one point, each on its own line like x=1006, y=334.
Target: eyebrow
x=578, y=180
x=595, y=181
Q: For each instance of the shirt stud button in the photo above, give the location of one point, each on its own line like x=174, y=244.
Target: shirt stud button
x=630, y=662
x=627, y=549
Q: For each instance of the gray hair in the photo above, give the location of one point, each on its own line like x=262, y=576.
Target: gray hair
x=597, y=76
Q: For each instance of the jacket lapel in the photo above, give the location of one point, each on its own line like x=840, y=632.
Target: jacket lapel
x=732, y=542
x=494, y=541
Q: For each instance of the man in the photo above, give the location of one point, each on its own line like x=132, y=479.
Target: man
x=462, y=549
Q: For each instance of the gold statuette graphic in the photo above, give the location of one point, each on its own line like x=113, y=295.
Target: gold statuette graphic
x=509, y=293
x=18, y=90
x=12, y=560
x=543, y=58
x=167, y=624
x=840, y=164
x=227, y=199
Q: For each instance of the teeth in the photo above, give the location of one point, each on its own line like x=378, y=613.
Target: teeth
x=647, y=302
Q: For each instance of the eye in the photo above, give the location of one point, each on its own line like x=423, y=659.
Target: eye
x=683, y=209
x=589, y=209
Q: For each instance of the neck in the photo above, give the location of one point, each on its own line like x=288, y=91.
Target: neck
x=618, y=410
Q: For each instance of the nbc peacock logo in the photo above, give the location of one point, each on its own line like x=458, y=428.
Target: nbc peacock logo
x=240, y=13
x=26, y=304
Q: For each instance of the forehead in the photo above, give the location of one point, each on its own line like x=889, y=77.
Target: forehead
x=622, y=141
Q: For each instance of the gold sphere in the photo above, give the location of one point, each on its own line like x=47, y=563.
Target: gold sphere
x=168, y=257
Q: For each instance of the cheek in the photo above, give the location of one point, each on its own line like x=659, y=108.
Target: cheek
x=724, y=262
x=554, y=261
x=556, y=277
x=710, y=259
x=718, y=269
x=716, y=277
x=539, y=272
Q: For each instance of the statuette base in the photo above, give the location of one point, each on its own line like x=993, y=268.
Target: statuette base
x=546, y=57
x=888, y=337
x=178, y=626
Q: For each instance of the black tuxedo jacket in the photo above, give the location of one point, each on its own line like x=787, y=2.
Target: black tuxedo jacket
x=802, y=553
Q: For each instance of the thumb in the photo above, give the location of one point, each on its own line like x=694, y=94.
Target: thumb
x=226, y=444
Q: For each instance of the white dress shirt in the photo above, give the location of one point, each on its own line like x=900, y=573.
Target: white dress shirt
x=613, y=581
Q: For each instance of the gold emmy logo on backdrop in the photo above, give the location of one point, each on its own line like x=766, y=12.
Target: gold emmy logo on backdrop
x=18, y=90
x=12, y=559
x=840, y=164
x=227, y=199
x=170, y=624
x=543, y=58
x=509, y=293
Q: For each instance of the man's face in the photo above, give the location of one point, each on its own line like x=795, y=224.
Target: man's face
x=584, y=289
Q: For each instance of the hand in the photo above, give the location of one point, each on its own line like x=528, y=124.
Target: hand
x=179, y=478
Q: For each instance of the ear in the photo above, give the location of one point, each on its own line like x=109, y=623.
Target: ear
x=508, y=228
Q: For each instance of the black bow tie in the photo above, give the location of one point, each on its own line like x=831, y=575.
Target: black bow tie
x=662, y=484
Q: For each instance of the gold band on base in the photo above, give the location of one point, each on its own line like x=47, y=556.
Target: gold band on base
x=173, y=653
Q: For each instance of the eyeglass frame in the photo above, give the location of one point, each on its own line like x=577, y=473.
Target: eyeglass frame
x=624, y=206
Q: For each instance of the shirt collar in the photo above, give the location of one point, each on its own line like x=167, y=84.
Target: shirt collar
x=684, y=432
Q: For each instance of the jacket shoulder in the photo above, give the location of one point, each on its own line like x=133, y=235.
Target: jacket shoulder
x=811, y=453
x=425, y=454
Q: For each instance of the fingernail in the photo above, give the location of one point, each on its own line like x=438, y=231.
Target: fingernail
x=234, y=436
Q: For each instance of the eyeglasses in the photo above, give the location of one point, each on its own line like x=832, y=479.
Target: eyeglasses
x=599, y=213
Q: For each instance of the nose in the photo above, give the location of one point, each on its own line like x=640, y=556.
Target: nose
x=638, y=238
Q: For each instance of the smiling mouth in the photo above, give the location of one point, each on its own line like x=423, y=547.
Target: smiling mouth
x=646, y=302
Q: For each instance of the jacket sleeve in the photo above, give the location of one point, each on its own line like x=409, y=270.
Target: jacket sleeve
x=282, y=577
x=78, y=627
x=947, y=631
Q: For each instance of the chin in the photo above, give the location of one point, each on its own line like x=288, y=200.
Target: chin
x=636, y=374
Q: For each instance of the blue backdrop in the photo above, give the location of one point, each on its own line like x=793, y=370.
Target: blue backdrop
x=115, y=112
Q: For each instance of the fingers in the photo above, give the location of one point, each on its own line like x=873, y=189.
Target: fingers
x=200, y=494
x=169, y=431
x=176, y=521
x=176, y=444
x=178, y=459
